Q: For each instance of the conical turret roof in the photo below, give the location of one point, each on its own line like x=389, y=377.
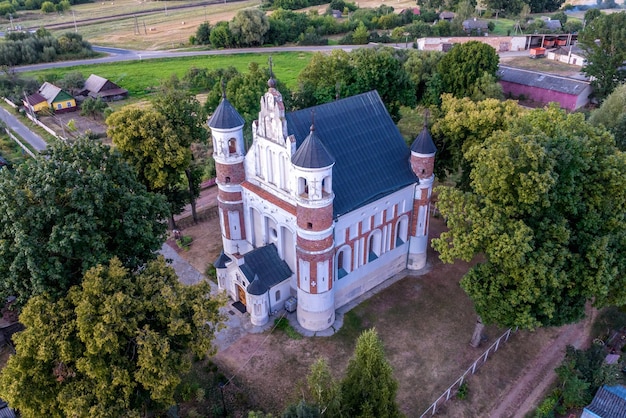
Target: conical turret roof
x=256, y=288
x=423, y=143
x=225, y=116
x=312, y=153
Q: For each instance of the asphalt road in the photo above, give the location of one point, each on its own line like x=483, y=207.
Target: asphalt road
x=22, y=130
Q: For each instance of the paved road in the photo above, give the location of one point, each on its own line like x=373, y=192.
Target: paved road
x=22, y=130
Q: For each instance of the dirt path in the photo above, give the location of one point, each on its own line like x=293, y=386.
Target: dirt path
x=526, y=393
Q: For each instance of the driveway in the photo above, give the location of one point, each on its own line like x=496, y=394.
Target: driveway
x=22, y=130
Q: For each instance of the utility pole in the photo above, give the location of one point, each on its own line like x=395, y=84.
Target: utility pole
x=11, y=19
x=75, y=27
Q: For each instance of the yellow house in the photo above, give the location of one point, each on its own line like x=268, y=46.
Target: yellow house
x=58, y=99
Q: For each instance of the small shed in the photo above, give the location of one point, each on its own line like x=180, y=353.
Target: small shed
x=543, y=88
x=572, y=54
x=100, y=87
x=609, y=402
x=449, y=16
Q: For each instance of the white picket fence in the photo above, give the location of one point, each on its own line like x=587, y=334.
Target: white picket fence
x=447, y=394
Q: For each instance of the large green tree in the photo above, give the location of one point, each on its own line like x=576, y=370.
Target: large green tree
x=465, y=64
x=115, y=346
x=546, y=213
x=187, y=118
x=69, y=210
x=604, y=41
x=249, y=27
x=150, y=143
x=369, y=388
x=612, y=115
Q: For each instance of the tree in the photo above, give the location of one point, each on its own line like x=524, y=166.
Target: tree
x=591, y=14
x=369, y=389
x=604, y=42
x=421, y=66
x=69, y=210
x=464, y=124
x=249, y=27
x=545, y=210
x=464, y=64
x=148, y=141
x=72, y=81
x=325, y=391
x=540, y=6
x=203, y=34
x=221, y=37
x=117, y=345
x=612, y=115
x=360, y=35
x=187, y=118
x=93, y=107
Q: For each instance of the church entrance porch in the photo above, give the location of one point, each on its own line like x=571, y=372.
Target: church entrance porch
x=242, y=295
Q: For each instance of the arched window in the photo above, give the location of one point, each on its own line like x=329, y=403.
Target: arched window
x=373, y=246
x=232, y=146
x=402, y=230
x=303, y=187
x=326, y=185
x=343, y=261
x=277, y=296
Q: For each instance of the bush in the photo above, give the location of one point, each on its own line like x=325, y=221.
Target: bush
x=463, y=390
x=284, y=325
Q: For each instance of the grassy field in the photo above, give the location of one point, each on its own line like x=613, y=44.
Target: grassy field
x=10, y=151
x=140, y=77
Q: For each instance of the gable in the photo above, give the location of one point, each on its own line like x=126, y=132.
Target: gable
x=371, y=157
x=265, y=264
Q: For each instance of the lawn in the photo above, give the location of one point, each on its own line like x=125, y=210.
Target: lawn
x=140, y=77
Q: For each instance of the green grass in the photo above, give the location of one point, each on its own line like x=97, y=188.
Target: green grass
x=10, y=151
x=141, y=77
x=503, y=26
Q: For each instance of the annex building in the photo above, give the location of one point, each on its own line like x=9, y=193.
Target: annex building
x=327, y=203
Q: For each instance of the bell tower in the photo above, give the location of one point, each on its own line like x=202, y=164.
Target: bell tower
x=423, y=152
x=312, y=167
x=228, y=152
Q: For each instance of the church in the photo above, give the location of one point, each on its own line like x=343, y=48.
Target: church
x=327, y=203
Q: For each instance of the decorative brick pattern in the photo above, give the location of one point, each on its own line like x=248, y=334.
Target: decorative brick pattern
x=318, y=219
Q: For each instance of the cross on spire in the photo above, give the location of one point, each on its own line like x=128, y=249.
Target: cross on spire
x=223, y=88
x=312, y=120
x=426, y=116
x=271, y=82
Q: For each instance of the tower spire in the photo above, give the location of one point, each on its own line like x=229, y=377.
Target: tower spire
x=271, y=82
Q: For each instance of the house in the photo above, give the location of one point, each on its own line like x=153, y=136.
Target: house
x=327, y=203
x=100, y=87
x=609, y=402
x=414, y=10
x=449, y=16
x=476, y=26
x=572, y=54
x=543, y=88
x=5, y=411
x=552, y=25
x=57, y=99
x=36, y=103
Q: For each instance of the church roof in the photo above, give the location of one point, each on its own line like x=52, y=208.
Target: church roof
x=265, y=265
x=225, y=116
x=423, y=143
x=221, y=261
x=371, y=157
x=312, y=153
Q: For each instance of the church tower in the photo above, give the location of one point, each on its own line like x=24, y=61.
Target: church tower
x=312, y=168
x=228, y=152
x=423, y=152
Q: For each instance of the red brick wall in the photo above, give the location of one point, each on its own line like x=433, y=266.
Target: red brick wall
x=420, y=163
x=319, y=218
x=235, y=172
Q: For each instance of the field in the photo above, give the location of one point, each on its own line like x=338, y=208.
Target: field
x=140, y=77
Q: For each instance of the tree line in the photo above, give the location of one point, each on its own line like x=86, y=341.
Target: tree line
x=20, y=48
x=47, y=6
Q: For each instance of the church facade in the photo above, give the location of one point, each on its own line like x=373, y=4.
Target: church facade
x=327, y=203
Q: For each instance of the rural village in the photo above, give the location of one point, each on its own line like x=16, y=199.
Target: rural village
x=427, y=222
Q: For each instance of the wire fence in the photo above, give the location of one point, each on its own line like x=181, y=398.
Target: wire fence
x=453, y=389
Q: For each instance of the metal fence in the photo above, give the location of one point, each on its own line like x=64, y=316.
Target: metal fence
x=447, y=394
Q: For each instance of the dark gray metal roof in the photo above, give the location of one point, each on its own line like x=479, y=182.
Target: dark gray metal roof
x=542, y=80
x=225, y=116
x=312, y=153
x=423, y=143
x=475, y=24
x=609, y=402
x=371, y=158
x=256, y=287
x=265, y=265
x=221, y=261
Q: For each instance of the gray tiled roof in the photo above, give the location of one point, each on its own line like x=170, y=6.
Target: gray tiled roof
x=609, y=402
x=221, y=261
x=225, y=116
x=256, y=287
x=312, y=153
x=371, y=158
x=423, y=143
x=542, y=80
x=475, y=24
x=265, y=265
